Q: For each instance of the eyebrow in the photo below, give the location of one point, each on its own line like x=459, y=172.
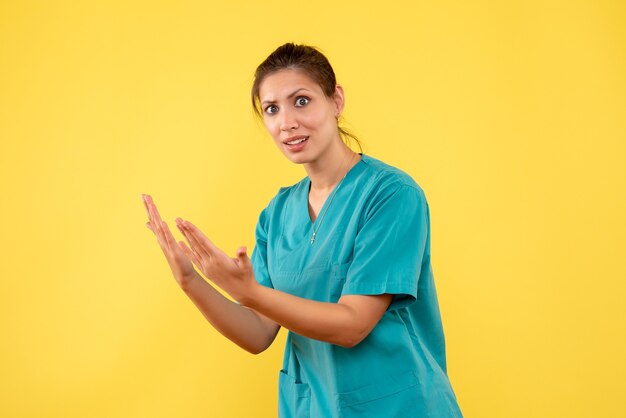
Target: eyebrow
x=264, y=102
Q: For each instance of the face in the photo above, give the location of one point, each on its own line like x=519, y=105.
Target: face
x=300, y=118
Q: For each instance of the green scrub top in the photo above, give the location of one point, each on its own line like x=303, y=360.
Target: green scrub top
x=374, y=239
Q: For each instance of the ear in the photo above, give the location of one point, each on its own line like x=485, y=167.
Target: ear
x=339, y=98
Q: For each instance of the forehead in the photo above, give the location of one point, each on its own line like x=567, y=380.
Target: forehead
x=284, y=82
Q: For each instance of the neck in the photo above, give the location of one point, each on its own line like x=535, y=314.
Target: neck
x=328, y=171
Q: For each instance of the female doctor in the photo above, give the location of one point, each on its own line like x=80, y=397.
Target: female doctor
x=342, y=260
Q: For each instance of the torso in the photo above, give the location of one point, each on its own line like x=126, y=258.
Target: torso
x=399, y=369
x=315, y=204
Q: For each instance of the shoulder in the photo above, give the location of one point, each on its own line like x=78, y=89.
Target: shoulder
x=281, y=197
x=285, y=191
x=384, y=193
x=385, y=180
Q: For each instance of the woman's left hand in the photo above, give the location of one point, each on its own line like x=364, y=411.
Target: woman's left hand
x=234, y=275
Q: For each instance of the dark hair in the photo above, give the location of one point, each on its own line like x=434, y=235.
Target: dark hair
x=304, y=58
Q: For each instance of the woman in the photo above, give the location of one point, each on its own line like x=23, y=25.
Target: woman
x=342, y=260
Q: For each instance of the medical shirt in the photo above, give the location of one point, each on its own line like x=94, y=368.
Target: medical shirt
x=374, y=239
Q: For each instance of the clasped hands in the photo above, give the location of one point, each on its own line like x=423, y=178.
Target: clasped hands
x=233, y=275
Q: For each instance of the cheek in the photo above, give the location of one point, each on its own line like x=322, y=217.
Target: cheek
x=270, y=126
x=313, y=121
x=322, y=123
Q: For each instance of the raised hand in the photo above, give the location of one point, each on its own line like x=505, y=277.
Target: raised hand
x=179, y=263
x=234, y=275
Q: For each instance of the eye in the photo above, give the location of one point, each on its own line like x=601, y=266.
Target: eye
x=271, y=109
x=302, y=101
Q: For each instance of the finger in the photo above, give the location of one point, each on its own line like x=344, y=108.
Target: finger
x=196, y=245
x=153, y=221
x=194, y=257
x=145, y=204
x=202, y=239
x=154, y=213
x=194, y=252
x=144, y=199
x=160, y=227
x=150, y=223
x=151, y=227
x=162, y=239
x=169, y=238
x=189, y=253
x=152, y=205
x=244, y=260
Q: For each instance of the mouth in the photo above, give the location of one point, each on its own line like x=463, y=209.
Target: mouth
x=295, y=140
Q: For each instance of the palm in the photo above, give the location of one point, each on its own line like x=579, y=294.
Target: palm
x=219, y=263
x=179, y=263
x=182, y=268
x=233, y=275
x=210, y=260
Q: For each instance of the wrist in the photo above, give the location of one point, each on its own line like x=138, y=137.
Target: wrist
x=250, y=296
x=187, y=282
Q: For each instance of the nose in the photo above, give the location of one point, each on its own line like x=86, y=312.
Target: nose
x=288, y=120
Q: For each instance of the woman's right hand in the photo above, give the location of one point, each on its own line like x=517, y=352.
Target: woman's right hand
x=179, y=263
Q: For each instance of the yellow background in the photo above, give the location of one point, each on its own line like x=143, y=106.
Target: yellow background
x=510, y=115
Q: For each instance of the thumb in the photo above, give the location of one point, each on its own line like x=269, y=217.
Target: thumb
x=242, y=256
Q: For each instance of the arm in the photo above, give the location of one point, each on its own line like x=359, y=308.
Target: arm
x=243, y=326
x=345, y=323
x=246, y=328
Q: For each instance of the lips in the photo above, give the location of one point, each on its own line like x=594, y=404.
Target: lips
x=296, y=143
x=294, y=140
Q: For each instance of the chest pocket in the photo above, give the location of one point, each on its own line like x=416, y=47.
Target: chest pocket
x=322, y=284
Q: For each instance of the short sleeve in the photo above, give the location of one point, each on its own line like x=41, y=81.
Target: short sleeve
x=390, y=245
x=259, y=254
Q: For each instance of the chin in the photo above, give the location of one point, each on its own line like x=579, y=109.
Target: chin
x=300, y=158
